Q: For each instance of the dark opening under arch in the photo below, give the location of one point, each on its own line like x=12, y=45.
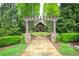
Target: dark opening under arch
x=40, y=27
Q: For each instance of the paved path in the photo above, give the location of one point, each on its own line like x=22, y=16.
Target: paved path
x=41, y=46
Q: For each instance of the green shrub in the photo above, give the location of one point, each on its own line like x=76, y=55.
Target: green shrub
x=23, y=38
x=58, y=38
x=10, y=40
x=68, y=37
x=65, y=49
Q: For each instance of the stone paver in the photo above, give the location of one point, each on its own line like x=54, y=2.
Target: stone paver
x=41, y=46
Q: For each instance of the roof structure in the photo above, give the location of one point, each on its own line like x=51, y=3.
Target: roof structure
x=40, y=22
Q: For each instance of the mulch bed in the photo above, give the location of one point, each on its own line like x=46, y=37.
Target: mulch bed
x=6, y=47
x=74, y=43
x=58, y=44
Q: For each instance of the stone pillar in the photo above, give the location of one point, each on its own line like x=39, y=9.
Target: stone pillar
x=27, y=31
x=54, y=25
x=53, y=34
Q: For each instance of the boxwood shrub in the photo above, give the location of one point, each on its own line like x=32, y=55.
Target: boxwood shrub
x=10, y=40
x=68, y=37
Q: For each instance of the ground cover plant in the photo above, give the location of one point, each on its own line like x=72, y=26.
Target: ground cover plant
x=14, y=50
x=40, y=33
x=65, y=49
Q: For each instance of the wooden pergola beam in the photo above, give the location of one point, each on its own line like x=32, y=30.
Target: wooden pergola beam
x=39, y=17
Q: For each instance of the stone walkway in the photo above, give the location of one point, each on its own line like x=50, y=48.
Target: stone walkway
x=41, y=46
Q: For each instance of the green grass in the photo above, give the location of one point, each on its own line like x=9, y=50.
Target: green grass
x=15, y=50
x=40, y=33
x=67, y=50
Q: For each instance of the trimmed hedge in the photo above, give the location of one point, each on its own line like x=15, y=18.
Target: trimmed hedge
x=68, y=37
x=10, y=40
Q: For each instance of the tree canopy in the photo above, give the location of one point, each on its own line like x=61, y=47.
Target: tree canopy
x=51, y=9
x=8, y=20
x=11, y=17
x=69, y=18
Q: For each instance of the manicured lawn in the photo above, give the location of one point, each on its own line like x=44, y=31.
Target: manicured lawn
x=40, y=33
x=65, y=49
x=15, y=50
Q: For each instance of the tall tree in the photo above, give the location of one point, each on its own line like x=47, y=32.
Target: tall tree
x=69, y=17
x=70, y=11
x=8, y=19
x=26, y=9
x=51, y=9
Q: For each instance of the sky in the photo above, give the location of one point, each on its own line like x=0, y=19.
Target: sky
x=41, y=8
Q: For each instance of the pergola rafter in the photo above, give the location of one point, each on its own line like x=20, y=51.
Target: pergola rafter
x=40, y=18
